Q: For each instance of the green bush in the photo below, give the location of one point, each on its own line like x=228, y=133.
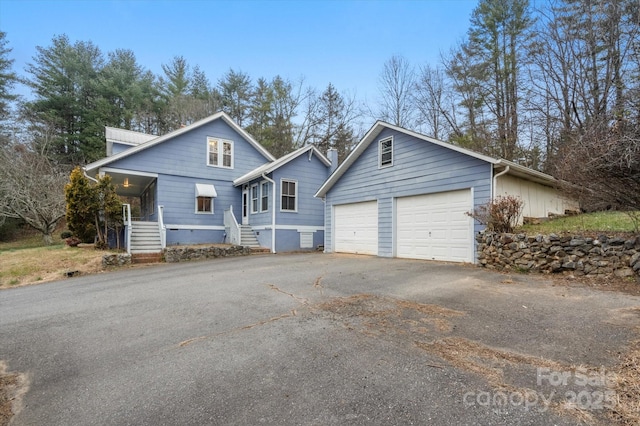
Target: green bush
x=66, y=234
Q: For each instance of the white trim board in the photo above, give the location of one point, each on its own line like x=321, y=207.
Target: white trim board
x=194, y=227
x=128, y=172
x=301, y=228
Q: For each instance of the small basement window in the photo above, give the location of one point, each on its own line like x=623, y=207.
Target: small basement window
x=385, y=152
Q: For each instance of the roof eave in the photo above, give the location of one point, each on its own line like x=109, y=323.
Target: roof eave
x=256, y=173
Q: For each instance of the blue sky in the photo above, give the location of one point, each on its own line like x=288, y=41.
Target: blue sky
x=342, y=42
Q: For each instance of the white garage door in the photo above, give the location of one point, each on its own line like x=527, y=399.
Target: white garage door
x=356, y=228
x=435, y=227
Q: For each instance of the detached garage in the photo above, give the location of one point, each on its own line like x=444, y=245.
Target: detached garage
x=403, y=194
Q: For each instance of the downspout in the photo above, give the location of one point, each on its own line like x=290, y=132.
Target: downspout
x=84, y=171
x=495, y=181
x=273, y=213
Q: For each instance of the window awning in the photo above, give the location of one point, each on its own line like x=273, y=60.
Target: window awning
x=205, y=190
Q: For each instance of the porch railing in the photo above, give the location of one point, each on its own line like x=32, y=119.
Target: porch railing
x=231, y=226
x=161, y=227
x=126, y=215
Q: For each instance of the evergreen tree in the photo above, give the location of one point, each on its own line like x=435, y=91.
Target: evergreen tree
x=236, y=92
x=8, y=77
x=64, y=78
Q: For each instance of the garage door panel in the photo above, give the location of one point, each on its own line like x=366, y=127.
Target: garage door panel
x=356, y=228
x=434, y=226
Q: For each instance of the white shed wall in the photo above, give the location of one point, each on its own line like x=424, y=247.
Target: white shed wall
x=539, y=200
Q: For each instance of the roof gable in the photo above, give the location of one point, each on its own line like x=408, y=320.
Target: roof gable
x=379, y=126
x=160, y=139
x=270, y=167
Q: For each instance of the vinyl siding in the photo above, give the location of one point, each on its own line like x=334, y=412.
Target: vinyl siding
x=180, y=163
x=186, y=155
x=419, y=167
x=309, y=175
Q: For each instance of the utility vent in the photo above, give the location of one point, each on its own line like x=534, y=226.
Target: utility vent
x=306, y=240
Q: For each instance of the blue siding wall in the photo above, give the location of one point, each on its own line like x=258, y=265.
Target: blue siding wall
x=419, y=167
x=180, y=163
x=309, y=175
x=117, y=148
x=186, y=155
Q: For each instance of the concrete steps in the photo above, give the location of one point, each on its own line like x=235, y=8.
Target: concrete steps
x=145, y=238
x=248, y=237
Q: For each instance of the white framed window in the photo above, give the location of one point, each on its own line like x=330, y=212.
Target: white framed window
x=204, y=205
x=264, y=196
x=289, y=197
x=385, y=152
x=205, y=194
x=219, y=152
x=254, y=198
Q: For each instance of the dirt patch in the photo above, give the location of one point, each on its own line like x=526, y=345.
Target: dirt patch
x=12, y=388
x=431, y=328
x=629, y=286
x=627, y=389
x=376, y=315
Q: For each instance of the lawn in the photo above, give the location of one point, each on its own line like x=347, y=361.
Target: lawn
x=26, y=260
x=41, y=264
x=598, y=222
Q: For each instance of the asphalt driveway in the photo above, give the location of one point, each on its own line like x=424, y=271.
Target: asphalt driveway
x=313, y=339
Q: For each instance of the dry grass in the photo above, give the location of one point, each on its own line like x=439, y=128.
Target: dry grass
x=12, y=388
x=627, y=389
x=42, y=264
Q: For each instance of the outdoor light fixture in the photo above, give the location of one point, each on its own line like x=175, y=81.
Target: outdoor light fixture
x=126, y=182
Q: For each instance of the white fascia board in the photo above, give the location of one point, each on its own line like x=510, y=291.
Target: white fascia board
x=371, y=135
x=270, y=167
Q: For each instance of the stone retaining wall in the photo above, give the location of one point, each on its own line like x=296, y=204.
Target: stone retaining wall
x=184, y=254
x=553, y=253
x=116, y=259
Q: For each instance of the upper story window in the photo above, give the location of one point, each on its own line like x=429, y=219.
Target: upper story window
x=289, y=199
x=220, y=152
x=385, y=152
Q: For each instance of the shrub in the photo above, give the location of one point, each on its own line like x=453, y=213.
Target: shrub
x=501, y=214
x=66, y=234
x=73, y=241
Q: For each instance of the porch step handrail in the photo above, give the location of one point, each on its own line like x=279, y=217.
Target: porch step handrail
x=231, y=226
x=161, y=228
x=126, y=214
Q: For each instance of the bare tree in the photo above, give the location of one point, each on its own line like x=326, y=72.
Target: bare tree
x=329, y=121
x=31, y=189
x=434, y=106
x=396, y=85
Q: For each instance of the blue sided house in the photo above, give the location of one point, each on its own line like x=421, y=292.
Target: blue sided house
x=211, y=182
x=403, y=194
